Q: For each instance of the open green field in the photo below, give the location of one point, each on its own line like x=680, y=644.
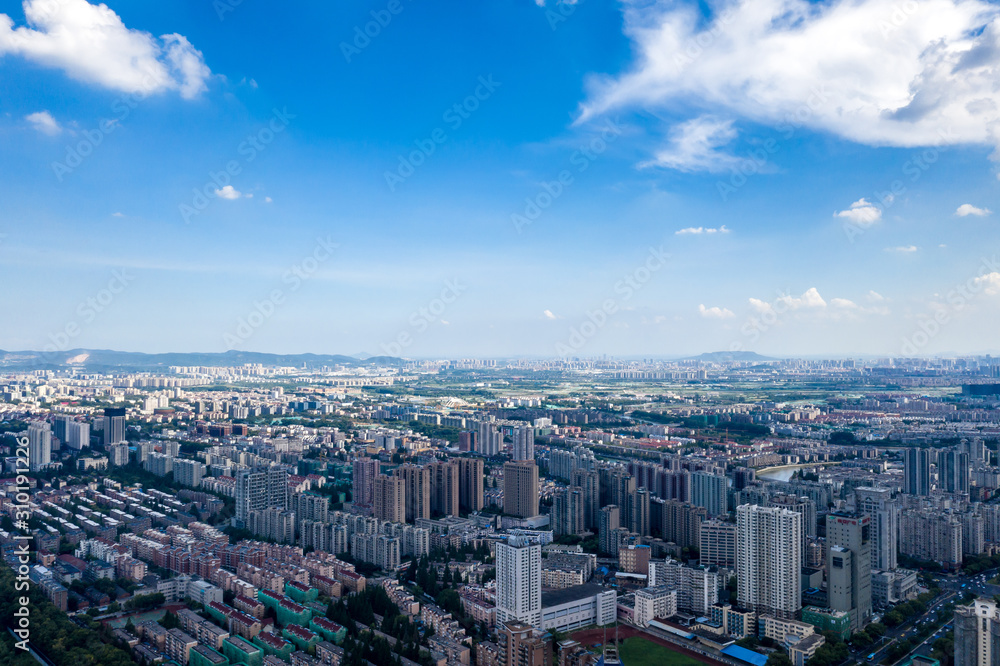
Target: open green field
x=638, y=651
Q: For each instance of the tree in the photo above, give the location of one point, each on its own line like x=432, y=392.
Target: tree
x=779, y=658
x=449, y=600
x=170, y=621
x=893, y=618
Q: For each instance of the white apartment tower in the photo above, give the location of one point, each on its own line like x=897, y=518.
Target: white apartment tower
x=769, y=560
x=524, y=443
x=519, y=582
x=39, y=445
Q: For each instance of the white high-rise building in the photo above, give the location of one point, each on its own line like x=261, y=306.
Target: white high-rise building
x=39, y=445
x=77, y=435
x=769, y=560
x=489, y=440
x=118, y=454
x=524, y=443
x=188, y=472
x=519, y=582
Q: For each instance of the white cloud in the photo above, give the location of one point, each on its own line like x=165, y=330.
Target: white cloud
x=902, y=249
x=44, y=122
x=548, y=314
x=715, y=312
x=117, y=214
x=811, y=305
x=792, y=63
x=91, y=44
x=228, y=192
x=968, y=209
x=809, y=299
x=694, y=146
x=697, y=231
x=862, y=213
x=989, y=283
x=268, y=200
x=844, y=303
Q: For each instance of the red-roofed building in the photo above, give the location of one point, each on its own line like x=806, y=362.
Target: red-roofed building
x=249, y=606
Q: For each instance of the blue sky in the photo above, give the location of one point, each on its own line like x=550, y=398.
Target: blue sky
x=786, y=177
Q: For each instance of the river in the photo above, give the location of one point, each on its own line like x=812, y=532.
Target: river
x=782, y=473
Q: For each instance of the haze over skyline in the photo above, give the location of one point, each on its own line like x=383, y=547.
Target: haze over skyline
x=504, y=179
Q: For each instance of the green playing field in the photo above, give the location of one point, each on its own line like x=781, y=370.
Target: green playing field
x=638, y=651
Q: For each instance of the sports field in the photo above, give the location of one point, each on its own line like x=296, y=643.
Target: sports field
x=637, y=651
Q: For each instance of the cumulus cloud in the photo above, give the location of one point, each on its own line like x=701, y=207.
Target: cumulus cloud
x=715, y=312
x=268, y=200
x=697, y=231
x=902, y=249
x=862, y=213
x=90, y=43
x=875, y=297
x=989, y=283
x=812, y=305
x=229, y=192
x=44, y=122
x=809, y=299
x=968, y=209
x=798, y=63
x=548, y=314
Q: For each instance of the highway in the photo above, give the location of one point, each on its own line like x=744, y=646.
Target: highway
x=908, y=630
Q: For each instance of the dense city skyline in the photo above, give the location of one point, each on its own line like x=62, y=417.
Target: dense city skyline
x=500, y=333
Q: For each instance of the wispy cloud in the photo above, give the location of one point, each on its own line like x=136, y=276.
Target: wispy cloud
x=695, y=146
x=902, y=249
x=697, y=231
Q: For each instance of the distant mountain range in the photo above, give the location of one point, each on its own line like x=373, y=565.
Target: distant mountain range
x=731, y=357
x=105, y=359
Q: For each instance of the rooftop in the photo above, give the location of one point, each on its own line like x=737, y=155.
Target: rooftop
x=745, y=655
x=575, y=593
